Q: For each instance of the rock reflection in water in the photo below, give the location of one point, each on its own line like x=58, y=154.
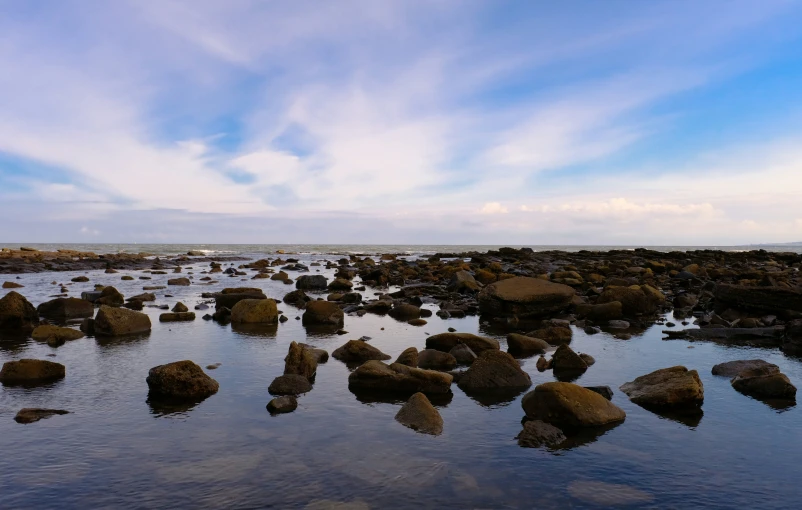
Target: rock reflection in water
x=112, y=342
x=255, y=330
x=383, y=397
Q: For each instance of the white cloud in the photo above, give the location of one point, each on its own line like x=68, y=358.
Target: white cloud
x=493, y=208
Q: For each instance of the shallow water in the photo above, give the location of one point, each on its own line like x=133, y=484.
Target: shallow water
x=116, y=450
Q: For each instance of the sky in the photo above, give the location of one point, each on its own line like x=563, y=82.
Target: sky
x=534, y=122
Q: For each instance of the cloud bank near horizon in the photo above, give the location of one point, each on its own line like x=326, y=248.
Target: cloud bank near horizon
x=402, y=121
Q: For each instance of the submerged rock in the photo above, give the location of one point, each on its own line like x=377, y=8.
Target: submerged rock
x=31, y=371
x=494, y=370
x=396, y=378
x=281, y=405
x=569, y=405
x=181, y=380
x=674, y=387
x=357, y=351
x=55, y=335
x=525, y=297
x=420, y=415
x=537, y=433
x=112, y=321
x=33, y=414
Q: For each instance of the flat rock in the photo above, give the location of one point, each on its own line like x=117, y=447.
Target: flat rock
x=32, y=414
x=111, y=321
x=673, y=387
x=31, y=371
x=764, y=383
x=733, y=368
x=357, y=351
x=447, y=341
x=569, y=405
x=59, y=335
x=177, y=317
x=525, y=297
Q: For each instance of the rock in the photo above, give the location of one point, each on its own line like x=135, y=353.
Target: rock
x=80, y=279
x=290, y=384
x=776, y=300
x=110, y=296
x=634, y=300
x=340, y=284
x=567, y=405
x=463, y=354
x=542, y=364
x=31, y=371
x=17, y=314
x=618, y=324
x=463, y=281
x=408, y=357
x=601, y=312
x=112, y=321
x=432, y=359
x=554, y=335
x=565, y=358
x=58, y=334
x=177, y=317
x=588, y=359
x=674, y=387
x=320, y=355
x=32, y=414
x=357, y=351
x=281, y=405
x=12, y=285
x=764, y=383
x=180, y=307
x=181, y=380
x=420, y=415
x=537, y=433
x=494, y=370
x=280, y=276
x=523, y=346
x=255, y=311
x=417, y=322
x=297, y=298
x=230, y=299
x=300, y=361
x=323, y=313
x=524, y=297
x=733, y=368
x=447, y=341
x=90, y=296
x=311, y=282
x=404, y=312
x=604, y=391
x=396, y=378
x=145, y=296
x=181, y=282
x=66, y=308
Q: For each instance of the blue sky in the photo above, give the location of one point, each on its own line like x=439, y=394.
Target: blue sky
x=511, y=122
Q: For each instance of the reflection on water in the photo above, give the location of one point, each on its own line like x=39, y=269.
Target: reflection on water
x=164, y=406
x=255, y=330
x=341, y=447
x=373, y=397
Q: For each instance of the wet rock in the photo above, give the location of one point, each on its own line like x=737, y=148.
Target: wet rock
x=618, y=324
x=463, y=281
x=417, y=322
x=542, y=364
x=494, y=370
x=230, y=299
x=180, y=380
x=634, y=301
x=764, y=382
x=311, y=282
x=145, y=296
x=323, y=313
x=12, y=285
x=320, y=355
x=297, y=298
x=281, y=405
x=524, y=346
x=110, y=296
x=340, y=284
x=674, y=387
x=17, y=314
x=432, y=359
x=408, y=357
x=601, y=312
x=447, y=341
x=733, y=368
x=290, y=384
x=55, y=334
x=255, y=311
x=463, y=354
x=420, y=415
x=31, y=371
x=588, y=359
x=177, y=317
x=604, y=391
x=66, y=308
x=112, y=321
x=357, y=351
x=280, y=276
x=379, y=307
x=180, y=307
x=537, y=433
x=300, y=361
x=567, y=405
x=181, y=282
x=565, y=358
x=396, y=378
x=32, y=414
x=80, y=279
x=554, y=335
x=524, y=297
x=404, y=312
x=776, y=300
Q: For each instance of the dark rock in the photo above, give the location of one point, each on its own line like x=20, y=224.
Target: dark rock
x=604, y=391
x=396, y=378
x=59, y=335
x=447, y=341
x=404, y=312
x=31, y=371
x=463, y=281
x=31, y=415
x=181, y=282
x=494, y=370
x=112, y=321
x=300, y=361
x=290, y=384
x=177, y=317
x=66, y=308
x=281, y=405
x=764, y=383
x=537, y=433
x=525, y=297
x=180, y=380
x=463, y=354
x=180, y=307
x=408, y=357
x=311, y=282
x=357, y=351
x=110, y=296
x=297, y=298
x=674, y=387
x=733, y=368
x=602, y=311
x=255, y=311
x=17, y=314
x=323, y=313
x=564, y=358
x=420, y=415
x=523, y=346
x=432, y=359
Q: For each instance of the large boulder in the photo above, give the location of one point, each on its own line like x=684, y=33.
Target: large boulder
x=110, y=296
x=733, y=368
x=420, y=415
x=523, y=346
x=311, y=282
x=229, y=299
x=777, y=300
x=568, y=405
x=301, y=361
x=358, y=351
x=525, y=297
x=667, y=388
x=17, y=314
x=447, y=341
x=112, y=321
x=255, y=311
x=634, y=301
x=494, y=370
x=31, y=371
x=323, y=313
x=396, y=378
x=764, y=383
x=66, y=308
x=432, y=359
x=180, y=380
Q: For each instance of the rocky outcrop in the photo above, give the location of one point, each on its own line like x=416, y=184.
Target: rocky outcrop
x=180, y=380
x=447, y=341
x=17, y=314
x=524, y=346
x=432, y=359
x=112, y=321
x=358, y=351
x=525, y=297
x=494, y=370
x=31, y=372
x=323, y=313
x=66, y=308
x=397, y=378
x=667, y=388
x=568, y=405
x=255, y=311
x=420, y=415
